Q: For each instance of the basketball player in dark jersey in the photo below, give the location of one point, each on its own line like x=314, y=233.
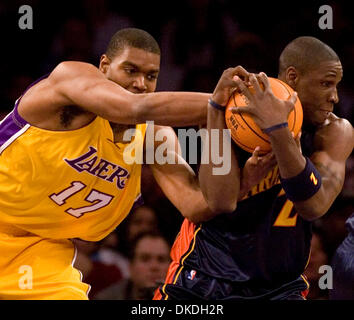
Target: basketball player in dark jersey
x=258, y=244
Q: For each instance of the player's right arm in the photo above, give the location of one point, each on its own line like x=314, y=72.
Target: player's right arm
x=223, y=190
x=83, y=85
x=220, y=187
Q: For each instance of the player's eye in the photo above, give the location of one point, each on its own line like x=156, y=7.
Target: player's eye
x=151, y=77
x=326, y=84
x=130, y=70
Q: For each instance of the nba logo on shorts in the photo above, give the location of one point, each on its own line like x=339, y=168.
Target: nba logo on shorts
x=192, y=275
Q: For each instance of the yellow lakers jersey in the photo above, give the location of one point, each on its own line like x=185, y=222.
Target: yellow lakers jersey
x=66, y=184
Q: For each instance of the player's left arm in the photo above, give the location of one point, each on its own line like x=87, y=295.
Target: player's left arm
x=333, y=144
x=177, y=179
x=301, y=177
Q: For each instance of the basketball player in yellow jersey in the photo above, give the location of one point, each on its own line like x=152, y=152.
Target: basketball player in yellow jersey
x=62, y=171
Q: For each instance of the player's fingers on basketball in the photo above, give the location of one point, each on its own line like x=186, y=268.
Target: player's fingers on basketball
x=258, y=78
x=254, y=82
x=255, y=157
x=234, y=90
x=226, y=78
x=239, y=110
x=269, y=160
x=265, y=81
x=242, y=87
x=228, y=73
x=256, y=152
x=292, y=100
x=242, y=73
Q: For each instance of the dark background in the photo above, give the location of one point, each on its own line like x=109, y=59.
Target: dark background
x=199, y=39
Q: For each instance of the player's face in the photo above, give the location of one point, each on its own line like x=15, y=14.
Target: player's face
x=150, y=262
x=134, y=69
x=317, y=90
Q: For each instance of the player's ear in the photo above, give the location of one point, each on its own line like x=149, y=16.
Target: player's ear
x=292, y=77
x=104, y=63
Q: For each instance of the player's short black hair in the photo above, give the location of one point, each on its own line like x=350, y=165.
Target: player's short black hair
x=305, y=54
x=131, y=37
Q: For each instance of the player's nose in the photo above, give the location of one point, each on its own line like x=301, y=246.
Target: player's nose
x=333, y=97
x=140, y=84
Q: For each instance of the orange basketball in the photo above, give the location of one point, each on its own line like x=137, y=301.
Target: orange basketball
x=246, y=133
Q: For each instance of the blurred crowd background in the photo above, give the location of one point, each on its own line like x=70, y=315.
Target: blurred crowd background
x=198, y=39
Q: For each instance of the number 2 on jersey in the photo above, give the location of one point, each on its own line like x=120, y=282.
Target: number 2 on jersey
x=97, y=198
x=283, y=219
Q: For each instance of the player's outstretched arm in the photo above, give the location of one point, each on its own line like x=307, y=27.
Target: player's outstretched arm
x=83, y=85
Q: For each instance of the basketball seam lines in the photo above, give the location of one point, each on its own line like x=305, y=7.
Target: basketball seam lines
x=248, y=124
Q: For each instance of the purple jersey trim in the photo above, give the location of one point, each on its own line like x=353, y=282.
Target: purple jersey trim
x=8, y=127
x=13, y=122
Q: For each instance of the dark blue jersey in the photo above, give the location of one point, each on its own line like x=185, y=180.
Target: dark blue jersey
x=258, y=251
x=262, y=246
x=254, y=244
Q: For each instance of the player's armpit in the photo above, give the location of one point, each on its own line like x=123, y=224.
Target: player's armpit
x=84, y=85
x=80, y=85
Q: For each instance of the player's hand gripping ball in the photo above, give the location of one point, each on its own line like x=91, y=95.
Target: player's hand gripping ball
x=246, y=133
